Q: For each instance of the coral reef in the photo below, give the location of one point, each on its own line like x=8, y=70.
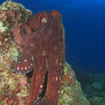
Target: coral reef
x=12, y=91
x=71, y=93
x=14, y=87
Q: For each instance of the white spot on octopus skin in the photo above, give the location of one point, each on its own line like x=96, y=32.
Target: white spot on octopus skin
x=32, y=45
x=27, y=71
x=44, y=53
x=17, y=68
x=41, y=86
x=58, y=91
x=25, y=68
x=25, y=60
x=27, y=52
x=60, y=63
x=56, y=78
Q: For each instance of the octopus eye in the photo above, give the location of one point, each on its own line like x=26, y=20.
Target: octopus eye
x=44, y=20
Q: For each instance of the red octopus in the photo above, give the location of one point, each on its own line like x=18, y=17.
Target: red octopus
x=43, y=52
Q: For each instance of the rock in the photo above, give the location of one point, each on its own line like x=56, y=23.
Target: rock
x=71, y=92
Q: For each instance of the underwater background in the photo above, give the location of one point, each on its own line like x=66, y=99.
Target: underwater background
x=84, y=22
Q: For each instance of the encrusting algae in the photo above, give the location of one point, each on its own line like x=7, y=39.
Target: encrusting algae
x=14, y=88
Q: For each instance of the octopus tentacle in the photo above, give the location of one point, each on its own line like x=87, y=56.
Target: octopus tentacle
x=17, y=35
x=25, y=29
x=20, y=31
x=24, y=65
x=38, y=84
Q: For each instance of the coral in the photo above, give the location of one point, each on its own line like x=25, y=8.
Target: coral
x=11, y=91
x=71, y=93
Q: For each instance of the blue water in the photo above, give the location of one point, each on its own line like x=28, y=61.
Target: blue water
x=84, y=22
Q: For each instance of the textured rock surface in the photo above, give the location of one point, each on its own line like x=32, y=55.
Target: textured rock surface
x=14, y=88
x=71, y=93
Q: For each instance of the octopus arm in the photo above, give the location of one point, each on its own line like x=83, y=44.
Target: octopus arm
x=20, y=31
x=17, y=35
x=25, y=64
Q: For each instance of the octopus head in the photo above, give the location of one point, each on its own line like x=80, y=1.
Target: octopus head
x=44, y=19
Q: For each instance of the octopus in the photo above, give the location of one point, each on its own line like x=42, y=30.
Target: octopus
x=42, y=39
